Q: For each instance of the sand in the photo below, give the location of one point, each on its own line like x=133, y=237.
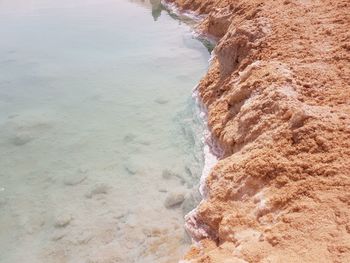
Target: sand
x=277, y=95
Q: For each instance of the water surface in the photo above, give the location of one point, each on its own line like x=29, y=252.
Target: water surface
x=97, y=129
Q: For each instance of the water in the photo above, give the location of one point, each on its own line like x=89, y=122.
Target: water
x=97, y=130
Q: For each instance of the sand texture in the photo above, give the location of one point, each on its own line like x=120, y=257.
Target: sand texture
x=277, y=94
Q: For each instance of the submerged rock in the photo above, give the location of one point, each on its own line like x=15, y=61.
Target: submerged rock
x=63, y=221
x=130, y=168
x=162, y=190
x=33, y=224
x=174, y=199
x=21, y=139
x=57, y=236
x=129, y=138
x=161, y=101
x=21, y=129
x=168, y=174
x=99, y=189
x=74, y=179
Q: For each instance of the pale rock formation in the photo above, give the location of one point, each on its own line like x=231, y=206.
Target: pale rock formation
x=174, y=198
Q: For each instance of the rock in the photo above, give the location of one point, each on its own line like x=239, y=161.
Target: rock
x=57, y=236
x=21, y=139
x=63, y=220
x=298, y=118
x=161, y=101
x=130, y=168
x=167, y=174
x=129, y=137
x=23, y=128
x=74, y=179
x=174, y=199
x=98, y=189
x=83, y=238
x=33, y=225
x=143, y=142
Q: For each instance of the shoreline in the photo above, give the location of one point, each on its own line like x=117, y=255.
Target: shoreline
x=276, y=97
x=211, y=151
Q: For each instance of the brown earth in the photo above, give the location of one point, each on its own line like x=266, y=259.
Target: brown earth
x=278, y=100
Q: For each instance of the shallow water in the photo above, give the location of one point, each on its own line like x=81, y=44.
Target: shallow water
x=98, y=131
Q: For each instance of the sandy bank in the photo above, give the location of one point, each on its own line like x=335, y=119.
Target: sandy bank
x=277, y=95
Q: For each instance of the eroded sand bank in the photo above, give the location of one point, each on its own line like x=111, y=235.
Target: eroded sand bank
x=277, y=94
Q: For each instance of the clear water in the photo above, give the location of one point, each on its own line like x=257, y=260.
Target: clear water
x=97, y=130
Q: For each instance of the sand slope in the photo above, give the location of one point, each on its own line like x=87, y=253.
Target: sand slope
x=278, y=99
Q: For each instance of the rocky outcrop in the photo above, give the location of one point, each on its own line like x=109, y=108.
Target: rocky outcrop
x=277, y=94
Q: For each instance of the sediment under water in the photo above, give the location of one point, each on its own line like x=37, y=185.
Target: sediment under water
x=100, y=140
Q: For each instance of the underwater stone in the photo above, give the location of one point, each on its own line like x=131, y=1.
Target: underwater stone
x=83, y=238
x=161, y=101
x=63, y=220
x=129, y=137
x=57, y=236
x=99, y=189
x=173, y=199
x=74, y=179
x=130, y=168
x=167, y=174
x=21, y=139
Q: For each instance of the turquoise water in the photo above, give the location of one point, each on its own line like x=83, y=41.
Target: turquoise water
x=99, y=135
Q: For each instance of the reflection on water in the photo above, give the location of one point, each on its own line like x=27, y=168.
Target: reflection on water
x=155, y=6
x=156, y=9
x=100, y=151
